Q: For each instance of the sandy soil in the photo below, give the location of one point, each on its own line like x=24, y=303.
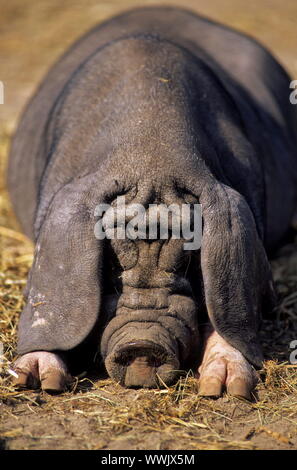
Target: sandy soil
x=98, y=414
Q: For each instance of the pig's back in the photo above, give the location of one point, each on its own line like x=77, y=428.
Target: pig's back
x=225, y=51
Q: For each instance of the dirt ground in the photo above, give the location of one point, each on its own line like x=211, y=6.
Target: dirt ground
x=97, y=413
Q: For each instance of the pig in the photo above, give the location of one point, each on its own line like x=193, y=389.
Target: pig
x=158, y=105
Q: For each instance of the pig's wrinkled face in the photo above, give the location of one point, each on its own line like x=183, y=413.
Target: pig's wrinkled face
x=151, y=295
x=153, y=309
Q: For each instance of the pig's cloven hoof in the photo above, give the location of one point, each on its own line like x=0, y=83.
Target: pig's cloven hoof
x=225, y=367
x=41, y=368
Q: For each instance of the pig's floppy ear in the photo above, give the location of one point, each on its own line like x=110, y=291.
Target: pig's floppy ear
x=64, y=283
x=236, y=274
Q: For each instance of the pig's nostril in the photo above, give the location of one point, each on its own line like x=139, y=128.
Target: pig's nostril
x=149, y=361
x=146, y=352
x=144, y=363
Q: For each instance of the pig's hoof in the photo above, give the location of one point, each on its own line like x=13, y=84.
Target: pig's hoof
x=224, y=367
x=41, y=368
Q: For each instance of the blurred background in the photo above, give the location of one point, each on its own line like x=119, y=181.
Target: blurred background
x=35, y=32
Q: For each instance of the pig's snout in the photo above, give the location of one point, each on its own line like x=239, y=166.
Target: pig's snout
x=143, y=364
x=149, y=347
x=154, y=326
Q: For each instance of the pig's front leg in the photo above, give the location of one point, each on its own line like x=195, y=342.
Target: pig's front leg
x=224, y=367
x=41, y=368
x=63, y=293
